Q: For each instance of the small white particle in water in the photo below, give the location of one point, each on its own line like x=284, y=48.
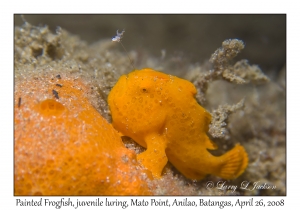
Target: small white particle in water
x=118, y=37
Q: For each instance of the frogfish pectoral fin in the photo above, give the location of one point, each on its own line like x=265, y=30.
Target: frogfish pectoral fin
x=234, y=163
x=154, y=158
x=209, y=144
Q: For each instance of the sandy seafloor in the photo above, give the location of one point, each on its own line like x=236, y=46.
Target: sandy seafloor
x=180, y=45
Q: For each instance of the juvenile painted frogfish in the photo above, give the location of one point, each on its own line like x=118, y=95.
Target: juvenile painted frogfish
x=160, y=113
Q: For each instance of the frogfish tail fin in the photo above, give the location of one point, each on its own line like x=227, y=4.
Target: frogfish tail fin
x=235, y=163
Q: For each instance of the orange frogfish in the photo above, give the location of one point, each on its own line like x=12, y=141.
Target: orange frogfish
x=160, y=113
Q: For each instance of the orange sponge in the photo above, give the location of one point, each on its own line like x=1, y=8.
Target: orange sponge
x=63, y=146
